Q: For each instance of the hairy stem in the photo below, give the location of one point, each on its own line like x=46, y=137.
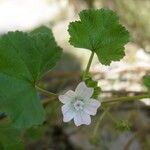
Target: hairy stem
x=106, y=101
x=95, y=131
x=45, y=92
x=89, y=63
x=127, y=98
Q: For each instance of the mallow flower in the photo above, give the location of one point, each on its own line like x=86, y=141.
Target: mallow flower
x=78, y=105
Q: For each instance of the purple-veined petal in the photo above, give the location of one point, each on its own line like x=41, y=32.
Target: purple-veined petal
x=67, y=97
x=68, y=113
x=91, y=106
x=83, y=91
x=82, y=118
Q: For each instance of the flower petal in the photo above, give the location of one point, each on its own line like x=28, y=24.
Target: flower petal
x=68, y=113
x=83, y=91
x=82, y=118
x=92, y=106
x=67, y=97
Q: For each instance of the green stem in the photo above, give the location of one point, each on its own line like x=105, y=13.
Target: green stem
x=45, y=92
x=98, y=123
x=107, y=101
x=128, y=98
x=89, y=63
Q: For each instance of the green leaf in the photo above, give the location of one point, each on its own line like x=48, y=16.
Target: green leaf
x=42, y=29
x=24, y=58
x=49, y=51
x=9, y=138
x=100, y=31
x=146, y=81
x=35, y=133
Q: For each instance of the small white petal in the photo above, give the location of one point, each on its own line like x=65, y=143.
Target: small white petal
x=65, y=108
x=92, y=106
x=68, y=116
x=67, y=97
x=82, y=118
x=68, y=113
x=83, y=91
x=70, y=93
x=64, y=99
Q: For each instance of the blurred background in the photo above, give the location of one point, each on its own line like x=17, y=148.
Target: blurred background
x=126, y=125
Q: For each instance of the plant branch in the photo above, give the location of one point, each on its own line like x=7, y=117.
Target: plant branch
x=106, y=101
x=45, y=92
x=124, y=92
x=127, y=98
x=95, y=131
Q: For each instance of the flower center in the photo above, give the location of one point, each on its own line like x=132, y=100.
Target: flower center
x=78, y=105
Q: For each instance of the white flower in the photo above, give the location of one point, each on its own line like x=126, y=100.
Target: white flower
x=79, y=105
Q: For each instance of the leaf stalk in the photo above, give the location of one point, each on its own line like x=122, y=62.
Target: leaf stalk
x=89, y=64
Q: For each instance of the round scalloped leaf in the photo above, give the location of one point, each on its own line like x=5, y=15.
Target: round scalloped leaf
x=24, y=58
x=99, y=31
